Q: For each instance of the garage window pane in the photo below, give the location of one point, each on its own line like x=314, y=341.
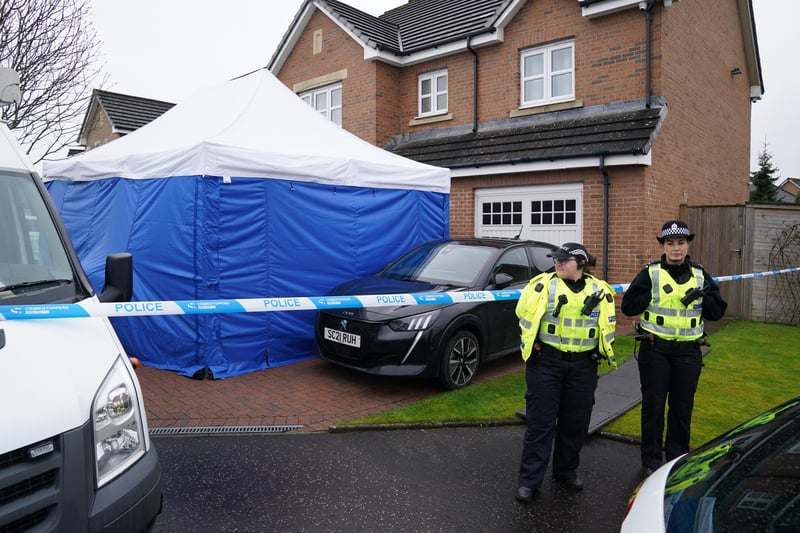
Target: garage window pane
x=554, y=212
x=501, y=213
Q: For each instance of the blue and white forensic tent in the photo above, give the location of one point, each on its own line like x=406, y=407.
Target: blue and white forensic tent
x=241, y=191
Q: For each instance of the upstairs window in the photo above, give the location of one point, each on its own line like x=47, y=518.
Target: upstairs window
x=327, y=101
x=433, y=93
x=548, y=74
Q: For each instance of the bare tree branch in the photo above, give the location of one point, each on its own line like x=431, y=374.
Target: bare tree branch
x=53, y=47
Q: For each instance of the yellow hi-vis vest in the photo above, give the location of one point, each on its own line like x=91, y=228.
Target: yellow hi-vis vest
x=570, y=330
x=666, y=316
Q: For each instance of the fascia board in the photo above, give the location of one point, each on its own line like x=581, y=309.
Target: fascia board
x=290, y=41
x=507, y=16
x=88, y=119
x=599, y=9
x=751, y=52
x=456, y=47
x=558, y=164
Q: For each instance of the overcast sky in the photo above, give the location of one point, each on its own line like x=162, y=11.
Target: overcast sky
x=167, y=49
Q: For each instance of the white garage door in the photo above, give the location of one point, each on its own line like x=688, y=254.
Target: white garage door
x=549, y=213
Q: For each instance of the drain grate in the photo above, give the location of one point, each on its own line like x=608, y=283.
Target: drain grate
x=221, y=430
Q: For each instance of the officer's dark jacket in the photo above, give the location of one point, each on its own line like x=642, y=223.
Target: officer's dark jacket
x=637, y=296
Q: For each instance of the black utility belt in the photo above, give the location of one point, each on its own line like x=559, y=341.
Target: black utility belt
x=673, y=344
x=549, y=351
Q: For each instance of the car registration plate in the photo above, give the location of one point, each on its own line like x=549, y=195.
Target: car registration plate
x=342, y=337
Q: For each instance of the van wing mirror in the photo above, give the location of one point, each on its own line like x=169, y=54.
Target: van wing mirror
x=119, y=278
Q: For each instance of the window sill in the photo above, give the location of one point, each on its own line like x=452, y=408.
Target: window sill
x=419, y=121
x=547, y=108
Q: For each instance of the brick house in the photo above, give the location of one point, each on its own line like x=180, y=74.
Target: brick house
x=561, y=120
x=111, y=115
x=790, y=187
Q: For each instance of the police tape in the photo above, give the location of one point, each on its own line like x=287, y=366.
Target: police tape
x=735, y=277
x=90, y=308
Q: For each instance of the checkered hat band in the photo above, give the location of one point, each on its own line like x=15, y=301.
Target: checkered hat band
x=675, y=230
x=578, y=251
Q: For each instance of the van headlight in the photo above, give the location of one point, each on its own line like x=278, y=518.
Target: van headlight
x=118, y=430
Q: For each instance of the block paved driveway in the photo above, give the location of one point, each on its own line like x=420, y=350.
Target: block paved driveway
x=312, y=393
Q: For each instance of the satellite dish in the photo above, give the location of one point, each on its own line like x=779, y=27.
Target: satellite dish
x=9, y=86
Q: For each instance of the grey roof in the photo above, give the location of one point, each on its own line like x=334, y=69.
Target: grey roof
x=582, y=134
x=129, y=113
x=420, y=24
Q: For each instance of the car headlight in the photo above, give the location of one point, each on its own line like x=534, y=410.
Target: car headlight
x=414, y=323
x=119, y=439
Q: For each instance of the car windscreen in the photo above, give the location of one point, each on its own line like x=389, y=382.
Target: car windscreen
x=746, y=480
x=442, y=264
x=32, y=256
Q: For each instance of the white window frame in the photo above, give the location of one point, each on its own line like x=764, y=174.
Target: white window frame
x=326, y=109
x=548, y=74
x=433, y=95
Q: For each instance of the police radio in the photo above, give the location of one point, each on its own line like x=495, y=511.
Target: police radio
x=562, y=299
x=694, y=293
x=591, y=302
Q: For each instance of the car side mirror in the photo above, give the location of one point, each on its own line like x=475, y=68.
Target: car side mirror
x=119, y=278
x=501, y=279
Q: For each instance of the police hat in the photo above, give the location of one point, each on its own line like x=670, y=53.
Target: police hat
x=675, y=228
x=570, y=249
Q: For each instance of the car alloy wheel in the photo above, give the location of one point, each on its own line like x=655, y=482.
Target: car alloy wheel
x=460, y=360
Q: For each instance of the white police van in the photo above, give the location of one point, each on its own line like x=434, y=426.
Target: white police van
x=75, y=454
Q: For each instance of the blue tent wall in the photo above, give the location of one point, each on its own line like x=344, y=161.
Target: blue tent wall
x=200, y=238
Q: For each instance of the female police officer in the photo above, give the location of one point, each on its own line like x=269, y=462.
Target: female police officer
x=673, y=296
x=567, y=323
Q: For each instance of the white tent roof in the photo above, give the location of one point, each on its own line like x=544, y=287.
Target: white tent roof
x=253, y=126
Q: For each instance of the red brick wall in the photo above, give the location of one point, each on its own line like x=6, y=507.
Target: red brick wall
x=703, y=151
x=100, y=130
x=340, y=51
x=610, y=55
x=700, y=156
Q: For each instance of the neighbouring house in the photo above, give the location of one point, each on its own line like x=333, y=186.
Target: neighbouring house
x=112, y=115
x=790, y=189
x=561, y=120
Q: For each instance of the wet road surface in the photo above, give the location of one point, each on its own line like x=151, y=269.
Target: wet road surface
x=434, y=480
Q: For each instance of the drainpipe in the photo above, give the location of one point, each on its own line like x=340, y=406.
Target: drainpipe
x=648, y=50
x=606, y=186
x=474, y=85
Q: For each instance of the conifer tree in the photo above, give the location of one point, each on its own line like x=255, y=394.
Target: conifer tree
x=764, y=188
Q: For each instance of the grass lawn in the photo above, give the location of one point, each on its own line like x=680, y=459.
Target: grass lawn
x=750, y=368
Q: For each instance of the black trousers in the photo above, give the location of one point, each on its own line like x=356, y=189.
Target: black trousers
x=558, y=407
x=669, y=372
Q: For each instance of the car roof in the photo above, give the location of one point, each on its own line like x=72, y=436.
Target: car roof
x=493, y=242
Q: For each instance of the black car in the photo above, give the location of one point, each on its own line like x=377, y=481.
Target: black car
x=448, y=341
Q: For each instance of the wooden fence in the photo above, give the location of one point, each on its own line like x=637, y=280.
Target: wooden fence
x=743, y=239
